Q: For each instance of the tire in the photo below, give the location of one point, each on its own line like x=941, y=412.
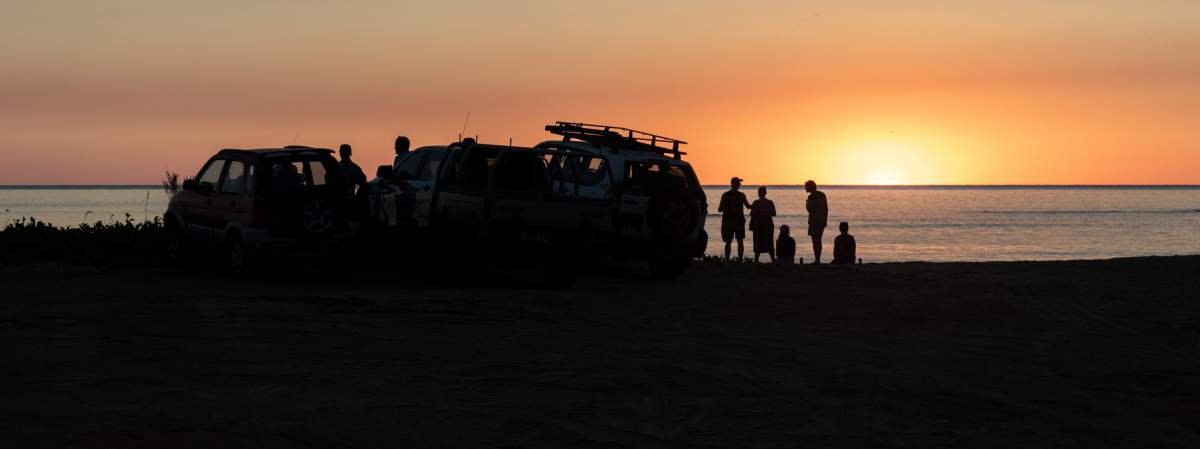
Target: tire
x=673, y=217
x=176, y=246
x=318, y=217
x=238, y=258
x=560, y=275
x=560, y=263
x=667, y=267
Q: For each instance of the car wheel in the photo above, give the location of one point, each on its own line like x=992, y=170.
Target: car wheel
x=560, y=275
x=673, y=216
x=175, y=244
x=668, y=267
x=317, y=216
x=238, y=257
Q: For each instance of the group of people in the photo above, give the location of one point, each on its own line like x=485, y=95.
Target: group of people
x=356, y=179
x=762, y=224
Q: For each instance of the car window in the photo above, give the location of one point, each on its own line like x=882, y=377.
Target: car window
x=234, y=177
x=592, y=171
x=287, y=176
x=249, y=184
x=432, y=164
x=521, y=171
x=453, y=158
x=320, y=176
x=211, y=175
x=408, y=168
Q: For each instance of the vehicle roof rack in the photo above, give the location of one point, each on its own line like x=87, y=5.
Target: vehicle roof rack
x=617, y=137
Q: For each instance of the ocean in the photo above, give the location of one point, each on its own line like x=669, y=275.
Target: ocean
x=890, y=224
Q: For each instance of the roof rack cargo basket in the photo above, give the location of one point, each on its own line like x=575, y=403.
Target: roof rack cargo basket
x=617, y=137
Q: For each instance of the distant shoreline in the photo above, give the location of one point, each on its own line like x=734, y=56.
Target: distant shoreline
x=713, y=186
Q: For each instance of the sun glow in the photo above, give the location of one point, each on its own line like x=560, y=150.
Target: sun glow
x=886, y=177
x=883, y=162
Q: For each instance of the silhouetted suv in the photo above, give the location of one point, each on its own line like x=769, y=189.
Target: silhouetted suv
x=660, y=209
x=253, y=204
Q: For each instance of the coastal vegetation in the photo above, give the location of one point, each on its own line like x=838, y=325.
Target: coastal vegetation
x=113, y=242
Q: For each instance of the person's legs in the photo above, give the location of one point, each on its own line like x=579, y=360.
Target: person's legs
x=772, y=253
x=741, y=248
x=727, y=237
x=816, y=241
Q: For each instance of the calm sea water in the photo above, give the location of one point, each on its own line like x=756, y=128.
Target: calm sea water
x=890, y=223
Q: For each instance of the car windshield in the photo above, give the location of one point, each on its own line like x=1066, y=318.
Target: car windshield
x=294, y=175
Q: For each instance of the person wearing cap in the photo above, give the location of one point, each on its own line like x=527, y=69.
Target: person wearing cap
x=733, y=219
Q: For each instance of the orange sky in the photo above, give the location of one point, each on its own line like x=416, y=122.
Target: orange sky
x=928, y=92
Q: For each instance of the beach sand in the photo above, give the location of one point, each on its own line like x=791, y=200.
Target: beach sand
x=982, y=355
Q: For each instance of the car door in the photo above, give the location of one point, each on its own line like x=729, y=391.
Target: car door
x=230, y=203
x=199, y=217
x=424, y=185
x=461, y=198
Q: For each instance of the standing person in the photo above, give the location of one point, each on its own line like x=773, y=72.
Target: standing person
x=844, y=248
x=401, y=147
x=818, y=216
x=355, y=178
x=785, y=246
x=733, y=221
x=762, y=224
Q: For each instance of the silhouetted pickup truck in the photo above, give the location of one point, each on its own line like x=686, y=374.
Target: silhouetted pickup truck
x=479, y=200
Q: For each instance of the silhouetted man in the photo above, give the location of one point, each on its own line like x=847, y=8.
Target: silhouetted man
x=733, y=220
x=355, y=178
x=818, y=216
x=401, y=147
x=844, y=248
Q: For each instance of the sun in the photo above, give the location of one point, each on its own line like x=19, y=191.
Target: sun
x=881, y=162
x=886, y=177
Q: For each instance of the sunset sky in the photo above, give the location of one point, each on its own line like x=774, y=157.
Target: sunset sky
x=776, y=92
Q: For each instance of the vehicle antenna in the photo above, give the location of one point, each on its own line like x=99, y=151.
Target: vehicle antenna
x=294, y=139
x=464, y=128
x=510, y=141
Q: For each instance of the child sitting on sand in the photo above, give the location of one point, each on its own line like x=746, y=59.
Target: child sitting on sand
x=844, y=250
x=785, y=246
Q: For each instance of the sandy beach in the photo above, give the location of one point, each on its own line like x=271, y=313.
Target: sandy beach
x=1050, y=354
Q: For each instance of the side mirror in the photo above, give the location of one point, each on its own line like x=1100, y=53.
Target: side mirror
x=189, y=184
x=384, y=171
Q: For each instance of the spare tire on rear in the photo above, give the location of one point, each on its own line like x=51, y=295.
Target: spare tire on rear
x=318, y=216
x=673, y=216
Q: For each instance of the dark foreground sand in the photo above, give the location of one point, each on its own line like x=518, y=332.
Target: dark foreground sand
x=1006, y=355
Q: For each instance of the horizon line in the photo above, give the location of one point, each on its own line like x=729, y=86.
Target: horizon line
x=159, y=186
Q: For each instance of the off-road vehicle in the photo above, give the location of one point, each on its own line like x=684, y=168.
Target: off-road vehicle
x=253, y=204
x=661, y=207
x=478, y=200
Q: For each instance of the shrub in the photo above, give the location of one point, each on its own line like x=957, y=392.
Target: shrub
x=117, y=243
